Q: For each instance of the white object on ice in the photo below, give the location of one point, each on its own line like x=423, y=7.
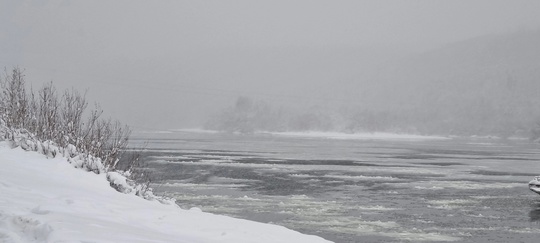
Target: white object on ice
x=534, y=185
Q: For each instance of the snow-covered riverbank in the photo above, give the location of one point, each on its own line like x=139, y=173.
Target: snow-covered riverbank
x=47, y=200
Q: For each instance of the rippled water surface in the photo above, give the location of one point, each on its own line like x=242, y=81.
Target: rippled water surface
x=356, y=190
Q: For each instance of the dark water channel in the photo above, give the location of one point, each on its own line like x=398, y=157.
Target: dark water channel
x=355, y=190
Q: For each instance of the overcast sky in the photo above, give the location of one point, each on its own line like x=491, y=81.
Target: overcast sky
x=165, y=63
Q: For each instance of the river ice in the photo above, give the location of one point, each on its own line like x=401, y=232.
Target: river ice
x=357, y=190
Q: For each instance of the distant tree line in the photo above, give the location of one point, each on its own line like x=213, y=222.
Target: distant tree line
x=505, y=114
x=248, y=115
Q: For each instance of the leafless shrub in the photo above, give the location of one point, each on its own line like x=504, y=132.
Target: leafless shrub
x=55, y=125
x=61, y=120
x=46, y=114
x=14, y=104
x=138, y=172
x=72, y=117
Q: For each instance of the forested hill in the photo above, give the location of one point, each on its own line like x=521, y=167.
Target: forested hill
x=488, y=85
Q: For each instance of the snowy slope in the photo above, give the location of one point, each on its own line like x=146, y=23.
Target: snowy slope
x=47, y=200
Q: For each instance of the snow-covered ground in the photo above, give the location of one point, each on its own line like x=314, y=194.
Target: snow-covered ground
x=47, y=200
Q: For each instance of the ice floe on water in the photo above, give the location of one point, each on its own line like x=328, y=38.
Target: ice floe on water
x=376, y=208
x=460, y=185
x=361, y=177
x=302, y=175
x=451, y=204
x=394, y=230
x=453, y=201
x=196, y=186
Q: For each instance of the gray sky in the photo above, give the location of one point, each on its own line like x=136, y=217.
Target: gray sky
x=167, y=63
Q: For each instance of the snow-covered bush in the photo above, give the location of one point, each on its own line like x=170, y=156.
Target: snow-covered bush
x=120, y=180
x=60, y=120
x=56, y=125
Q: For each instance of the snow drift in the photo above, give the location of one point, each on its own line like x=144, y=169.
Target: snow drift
x=47, y=200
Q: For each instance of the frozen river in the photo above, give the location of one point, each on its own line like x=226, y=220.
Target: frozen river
x=356, y=190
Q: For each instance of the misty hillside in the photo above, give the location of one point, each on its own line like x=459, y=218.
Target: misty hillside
x=489, y=62
x=487, y=85
x=483, y=86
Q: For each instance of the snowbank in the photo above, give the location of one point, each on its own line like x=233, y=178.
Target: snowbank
x=47, y=200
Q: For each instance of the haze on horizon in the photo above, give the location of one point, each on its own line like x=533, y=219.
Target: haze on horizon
x=170, y=64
